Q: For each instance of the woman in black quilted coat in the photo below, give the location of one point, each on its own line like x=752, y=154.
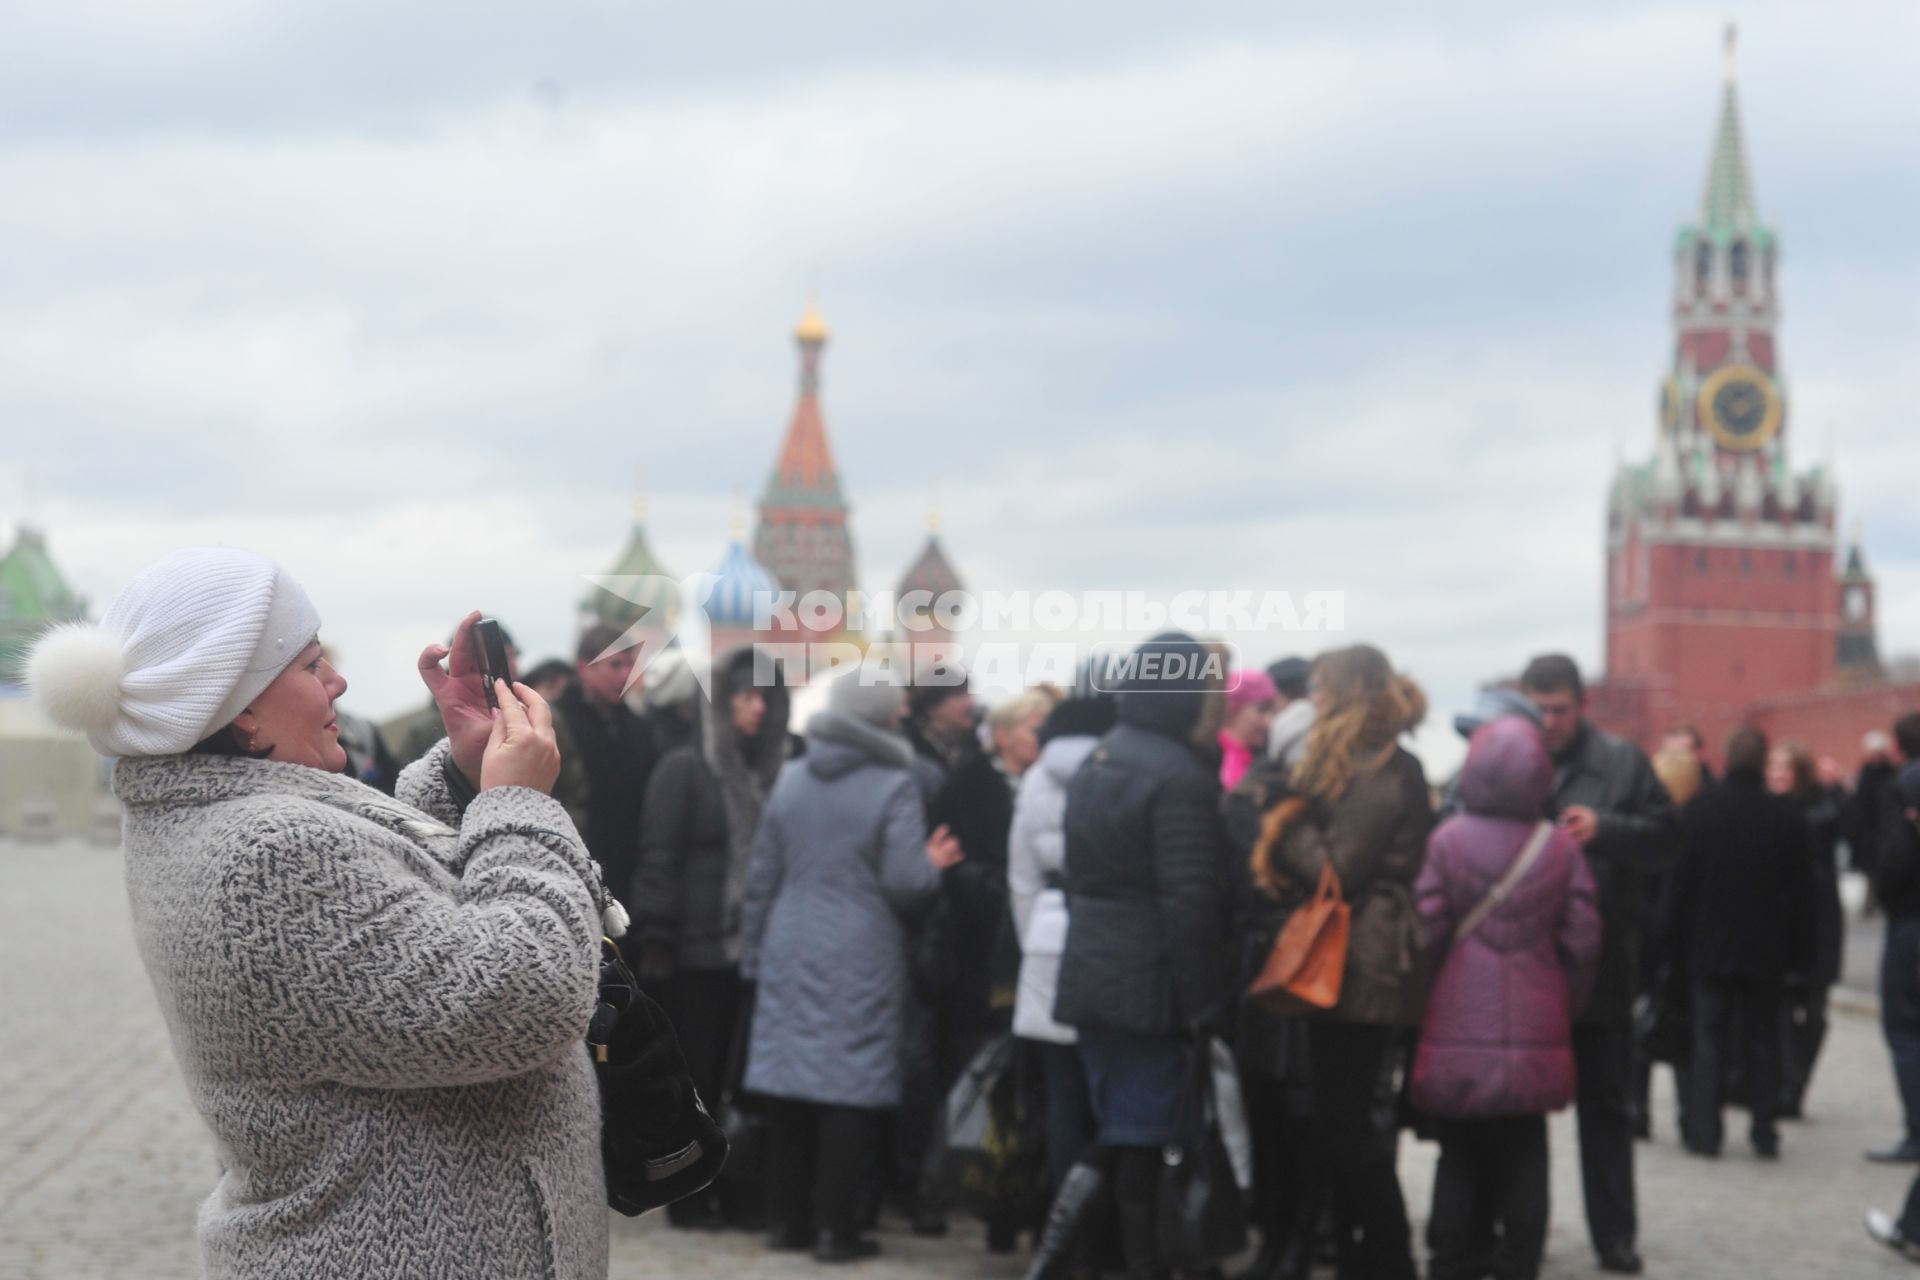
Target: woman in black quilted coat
x=1148, y=900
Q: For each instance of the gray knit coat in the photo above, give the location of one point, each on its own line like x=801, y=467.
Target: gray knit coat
x=378, y=1006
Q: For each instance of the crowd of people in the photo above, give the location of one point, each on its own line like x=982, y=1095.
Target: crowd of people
x=1102, y=872
x=838, y=922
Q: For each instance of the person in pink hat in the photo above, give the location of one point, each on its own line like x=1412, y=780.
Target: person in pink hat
x=1252, y=703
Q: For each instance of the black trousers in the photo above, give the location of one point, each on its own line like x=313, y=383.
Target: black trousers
x=1603, y=1055
x=1356, y=1146
x=704, y=1007
x=816, y=1156
x=1755, y=1006
x=1492, y=1171
x=1910, y=1214
x=1900, y=1012
x=1286, y=1174
x=1803, y=1030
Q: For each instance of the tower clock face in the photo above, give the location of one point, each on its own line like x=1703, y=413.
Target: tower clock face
x=1741, y=406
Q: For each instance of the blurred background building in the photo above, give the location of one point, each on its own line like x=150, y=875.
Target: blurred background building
x=802, y=541
x=51, y=783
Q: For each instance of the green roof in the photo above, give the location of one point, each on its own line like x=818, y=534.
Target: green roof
x=636, y=561
x=33, y=597
x=1728, y=207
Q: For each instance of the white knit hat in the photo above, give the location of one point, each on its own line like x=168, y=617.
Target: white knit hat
x=182, y=650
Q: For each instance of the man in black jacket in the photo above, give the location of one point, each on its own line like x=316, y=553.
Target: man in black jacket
x=1606, y=795
x=1896, y=879
x=1860, y=812
x=1739, y=920
x=966, y=937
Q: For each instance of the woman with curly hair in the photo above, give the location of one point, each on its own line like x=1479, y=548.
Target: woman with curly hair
x=1362, y=807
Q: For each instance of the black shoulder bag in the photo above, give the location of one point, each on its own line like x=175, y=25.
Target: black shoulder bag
x=1202, y=1217
x=658, y=1141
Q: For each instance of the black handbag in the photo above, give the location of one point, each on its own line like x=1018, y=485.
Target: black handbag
x=658, y=1141
x=1662, y=1021
x=1202, y=1216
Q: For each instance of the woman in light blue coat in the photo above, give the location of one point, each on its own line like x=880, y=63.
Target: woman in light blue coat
x=841, y=866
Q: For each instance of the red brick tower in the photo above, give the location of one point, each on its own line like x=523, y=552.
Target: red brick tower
x=802, y=535
x=1721, y=585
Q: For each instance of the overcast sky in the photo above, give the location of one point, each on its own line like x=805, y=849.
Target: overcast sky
x=1359, y=297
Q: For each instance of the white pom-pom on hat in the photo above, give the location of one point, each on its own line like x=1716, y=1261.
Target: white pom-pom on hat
x=76, y=673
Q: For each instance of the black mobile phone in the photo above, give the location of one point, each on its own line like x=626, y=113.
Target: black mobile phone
x=491, y=647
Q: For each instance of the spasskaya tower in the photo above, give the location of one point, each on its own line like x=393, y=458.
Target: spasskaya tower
x=1721, y=588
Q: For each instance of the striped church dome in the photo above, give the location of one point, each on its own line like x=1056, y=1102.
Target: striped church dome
x=649, y=596
x=738, y=582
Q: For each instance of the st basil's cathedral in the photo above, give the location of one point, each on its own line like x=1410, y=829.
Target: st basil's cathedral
x=802, y=541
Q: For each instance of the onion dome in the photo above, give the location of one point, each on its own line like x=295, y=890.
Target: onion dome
x=813, y=326
x=739, y=584
x=657, y=603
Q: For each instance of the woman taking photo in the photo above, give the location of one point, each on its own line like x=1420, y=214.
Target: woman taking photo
x=1362, y=807
x=379, y=1005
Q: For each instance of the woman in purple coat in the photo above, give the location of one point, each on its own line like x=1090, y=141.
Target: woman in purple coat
x=1507, y=906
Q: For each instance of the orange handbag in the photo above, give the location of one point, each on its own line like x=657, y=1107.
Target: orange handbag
x=1303, y=971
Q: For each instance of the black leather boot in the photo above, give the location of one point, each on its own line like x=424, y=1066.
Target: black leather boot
x=1285, y=1253
x=834, y=1247
x=1073, y=1205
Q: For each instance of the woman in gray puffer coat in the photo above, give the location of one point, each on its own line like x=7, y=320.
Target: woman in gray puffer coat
x=842, y=863
x=379, y=1005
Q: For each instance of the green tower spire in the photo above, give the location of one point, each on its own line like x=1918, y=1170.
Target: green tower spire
x=1728, y=206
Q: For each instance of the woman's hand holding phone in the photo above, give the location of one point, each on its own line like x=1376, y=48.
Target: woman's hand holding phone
x=521, y=749
x=459, y=690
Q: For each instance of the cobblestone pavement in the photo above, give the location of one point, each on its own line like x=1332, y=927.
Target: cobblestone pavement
x=102, y=1165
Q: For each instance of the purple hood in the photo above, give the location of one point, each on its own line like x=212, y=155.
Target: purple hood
x=1508, y=773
